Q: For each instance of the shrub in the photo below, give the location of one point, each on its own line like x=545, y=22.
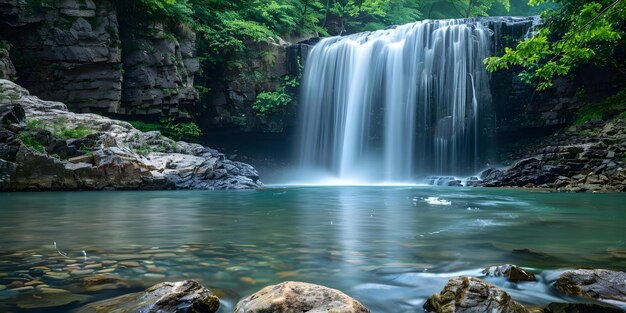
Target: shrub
x=187, y=131
x=29, y=141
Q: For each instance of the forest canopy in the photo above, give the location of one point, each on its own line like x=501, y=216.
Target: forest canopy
x=575, y=31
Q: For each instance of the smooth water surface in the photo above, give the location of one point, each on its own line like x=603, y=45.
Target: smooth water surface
x=389, y=247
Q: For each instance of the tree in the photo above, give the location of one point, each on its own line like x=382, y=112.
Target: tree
x=578, y=32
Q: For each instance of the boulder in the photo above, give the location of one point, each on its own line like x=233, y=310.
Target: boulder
x=184, y=296
x=469, y=295
x=511, y=272
x=598, y=284
x=292, y=297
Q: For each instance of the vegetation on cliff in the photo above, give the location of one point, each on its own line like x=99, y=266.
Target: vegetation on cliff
x=576, y=33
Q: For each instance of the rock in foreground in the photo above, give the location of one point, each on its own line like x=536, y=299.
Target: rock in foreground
x=470, y=295
x=597, y=284
x=51, y=148
x=292, y=297
x=181, y=297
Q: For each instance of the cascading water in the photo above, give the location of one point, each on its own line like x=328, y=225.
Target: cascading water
x=388, y=105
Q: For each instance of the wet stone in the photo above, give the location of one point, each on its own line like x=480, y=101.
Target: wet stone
x=158, y=270
x=15, y=284
x=107, y=270
x=24, y=289
x=124, y=257
x=129, y=264
x=186, y=296
x=81, y=272
x=34, y=283
x=52, y=300
x=154, y=276
x=164, y=255
x=52, y=290
x=56, y=276
x=511, y=272
x=8, y=294
x=617, y=253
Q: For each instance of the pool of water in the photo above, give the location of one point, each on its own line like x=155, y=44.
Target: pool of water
x=388, y=247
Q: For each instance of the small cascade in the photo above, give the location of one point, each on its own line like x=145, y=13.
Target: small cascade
x=386, y=106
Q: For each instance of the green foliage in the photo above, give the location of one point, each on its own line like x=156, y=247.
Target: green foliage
x=59, y=129
x=171, y=12
x=35, y=124
x=5, y=45
x=275, y=102
x=29, y=141
x=145, y=126
x=576, y=33
x=34, y=7
x=87, y=150
x=187, y=131
x=71, y=133
x=271, y=102
x=611, y=107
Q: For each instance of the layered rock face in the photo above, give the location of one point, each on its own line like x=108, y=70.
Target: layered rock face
x=43, y=146
x=231, y=100
x=76, y=52
x=159, y=69
x=68, y=52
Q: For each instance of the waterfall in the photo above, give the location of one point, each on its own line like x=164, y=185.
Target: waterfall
x=389, y=105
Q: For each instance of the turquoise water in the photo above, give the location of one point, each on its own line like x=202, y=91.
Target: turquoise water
x=388, y=247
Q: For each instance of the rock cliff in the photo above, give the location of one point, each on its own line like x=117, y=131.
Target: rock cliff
x=88, y=55
x=43, y=146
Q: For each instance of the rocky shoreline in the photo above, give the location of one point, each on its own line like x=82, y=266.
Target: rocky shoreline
x=588, y=157
x=43, y=146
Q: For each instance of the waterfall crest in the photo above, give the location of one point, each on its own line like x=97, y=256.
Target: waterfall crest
x=389, y=105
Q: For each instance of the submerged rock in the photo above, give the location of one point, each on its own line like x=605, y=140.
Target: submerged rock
x=291, y=297
x=513, y=273
x=598, y=284
x=469, y=295
x=184, y=296
x=51, y=299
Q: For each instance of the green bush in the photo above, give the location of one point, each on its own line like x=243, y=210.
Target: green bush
x=271, y=102
x=145, y=126
x=187, y=131
x=275, y=102
x=29, y=141
x=72, y=133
